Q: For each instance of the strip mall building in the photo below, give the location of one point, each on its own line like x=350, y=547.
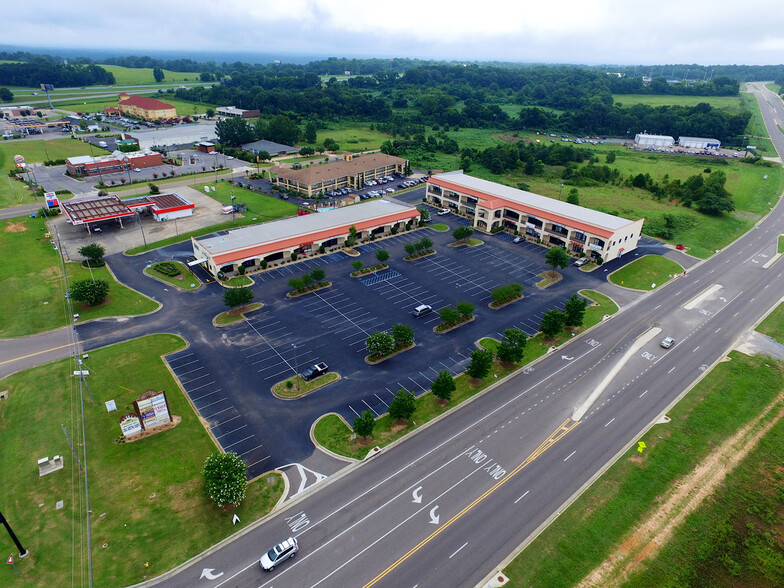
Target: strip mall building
x=492, y=206
x=84, y=165
x=276, y=241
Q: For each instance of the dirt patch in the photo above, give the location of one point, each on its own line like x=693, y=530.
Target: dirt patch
x=687, y=495
x=15, y=228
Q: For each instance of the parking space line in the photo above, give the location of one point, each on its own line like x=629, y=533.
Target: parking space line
x=192, y=390
x=379, y=397
x=204, y=395
x=232, y=431
x=370, y=407
x=213, y=415
x=240, y=441
x=210, y=404
x=227, y=420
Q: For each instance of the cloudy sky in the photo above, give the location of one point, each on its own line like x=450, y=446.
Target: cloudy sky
x=555, y=31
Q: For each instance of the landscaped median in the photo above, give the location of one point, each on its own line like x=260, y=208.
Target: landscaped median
x=235, y=315
x=646, y=273
x=332, y=433
x=175, y=273
x=297, y=387
x=149, y=509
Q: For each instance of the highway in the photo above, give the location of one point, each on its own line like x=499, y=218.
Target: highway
x=446, y=506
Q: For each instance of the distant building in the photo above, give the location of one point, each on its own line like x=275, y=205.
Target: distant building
x=176, y=136
x=353, y=173
x=205, y=147
x=112, y=112
x=270, y=147
x=84, y=165
x=699, y=143
x=237, y=112
x=145, y=108
x=645, y=140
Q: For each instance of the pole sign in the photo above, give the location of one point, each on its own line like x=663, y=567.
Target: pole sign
x=51, y=200
x=19, y=160
x=153, y=409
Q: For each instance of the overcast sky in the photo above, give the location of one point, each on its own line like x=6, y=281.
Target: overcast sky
x=552, y=31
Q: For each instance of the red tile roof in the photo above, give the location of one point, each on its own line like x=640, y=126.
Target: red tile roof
x=146, y=103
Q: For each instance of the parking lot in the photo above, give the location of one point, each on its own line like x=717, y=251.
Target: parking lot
x=228, y=373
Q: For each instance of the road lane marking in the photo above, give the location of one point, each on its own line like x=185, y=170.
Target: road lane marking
x=458, y=551
x=523, y=496
x=567, y=426
x=608, y=422
x=570, y=455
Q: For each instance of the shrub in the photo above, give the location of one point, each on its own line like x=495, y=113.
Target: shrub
x=263, y=264
x=167, y=268
x=241, y=270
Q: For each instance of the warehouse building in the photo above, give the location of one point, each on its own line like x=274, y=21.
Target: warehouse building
x=237, y=112
x=276, y=241
x=352, y=173
x=495, y=206
x=270, y=147
x=699, y=143
x=643, y=140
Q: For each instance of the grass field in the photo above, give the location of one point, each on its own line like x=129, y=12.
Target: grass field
x=13, y=192
x=757, y=132
x=773, y=325
x=33, y=289
x=646, y=273
x=781, y=244
x=352, y=137
x=590, y=530
x=728, y=103
x=332, y=433
x=146, y=497
x=124, y=76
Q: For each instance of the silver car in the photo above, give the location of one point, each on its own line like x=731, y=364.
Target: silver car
x=280, y=553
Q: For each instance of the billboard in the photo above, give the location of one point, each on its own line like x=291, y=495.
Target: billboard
x=51, y=200
x=47, y=87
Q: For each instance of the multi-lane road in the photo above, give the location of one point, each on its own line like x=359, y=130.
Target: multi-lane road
x=446, y=506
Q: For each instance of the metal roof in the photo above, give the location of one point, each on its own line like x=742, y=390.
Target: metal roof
x=536, y=201
x=300, y=226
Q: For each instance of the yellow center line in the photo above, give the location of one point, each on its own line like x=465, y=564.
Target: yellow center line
x=36, y=353
x=551, y=440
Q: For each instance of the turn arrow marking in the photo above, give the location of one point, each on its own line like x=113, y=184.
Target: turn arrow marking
x=207, y=573
x=417, y=497
x=567, y=358
x=434, y=518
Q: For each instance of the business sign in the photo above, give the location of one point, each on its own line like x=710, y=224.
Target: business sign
x=153, y=409
x=51, y=200
x=47, y=87
x=19, y=160
x=130, y=425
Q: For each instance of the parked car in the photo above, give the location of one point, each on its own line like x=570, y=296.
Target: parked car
x=314, y=371
x=278, y=554
x=443, y=211
x=580, y=262
x=517, y=239
x=667, y=342
x=422, y=310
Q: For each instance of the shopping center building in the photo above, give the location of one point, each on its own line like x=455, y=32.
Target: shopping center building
x=277, y=241
x=493, y=206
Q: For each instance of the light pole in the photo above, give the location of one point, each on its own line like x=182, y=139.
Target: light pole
x=296, y=366
x=139, y=218
x=559, y=191
x=216, y=166
x=232, y=206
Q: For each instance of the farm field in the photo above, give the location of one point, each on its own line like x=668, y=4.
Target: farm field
x=729, y=103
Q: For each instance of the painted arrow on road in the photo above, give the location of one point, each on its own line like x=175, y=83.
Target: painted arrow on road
x=207, y=573
x=417, y=497
x=567, y=358
x=434, y=518
x=235, y=519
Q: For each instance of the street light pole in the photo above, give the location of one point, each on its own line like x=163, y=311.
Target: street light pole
x=559, y=191
x=232, y=206
x=22, y=551
x=296, y=366
x=216, y=166
x=139, y=219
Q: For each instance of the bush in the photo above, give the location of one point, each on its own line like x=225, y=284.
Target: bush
x=263, y=264
x=167, y=268
x=89, y=291
x=154, y=189
x=241, y=270
x=225, y=478
x=364, y=424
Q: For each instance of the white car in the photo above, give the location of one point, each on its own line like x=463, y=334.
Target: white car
x=667, y=342
x=580, y=262
x=280, y=553
x=443, y=211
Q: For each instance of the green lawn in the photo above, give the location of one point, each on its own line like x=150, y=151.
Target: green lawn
x=757, y=132
x=729, y=103
x=124, y=76
x=332, y=433
x=773, y=325
x=91, y=105
x=781, y=244
x=590, y=530
x=352, y=136
x=32, y=285
x=646, y=273
x=185, y=280
x=14, y=192
x=143, y=495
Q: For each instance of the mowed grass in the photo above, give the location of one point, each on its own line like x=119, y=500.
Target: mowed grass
x=149, y=510
x=729, y=103
x=352, y=137
x=331, y=431
x=756, y=129
x=646, y=273
x=14, y=192
x=773, y=325
x=33, y=289
x=124, y=76
x=591, y=529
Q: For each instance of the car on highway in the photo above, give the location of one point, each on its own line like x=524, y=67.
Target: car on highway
x=314, y=371
x=667, y=342
x=278, y=554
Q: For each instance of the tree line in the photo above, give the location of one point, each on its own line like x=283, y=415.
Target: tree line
x=42, y=71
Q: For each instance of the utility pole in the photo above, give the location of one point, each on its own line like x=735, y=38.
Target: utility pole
x=22, y=551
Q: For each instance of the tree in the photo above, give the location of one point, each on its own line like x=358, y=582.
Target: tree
x=443, y=385
x=94, y=254
x=357, y=265
x=466, y=309
x=330, y=144
x=157, y=73
x=574, y=311
x=83, y=125
x=234, y=131
x=610, y=157
x=449, y=315
x=552, y=322
x=89, y=291
x=307, y=151
x=237, y=296
x=296, y=283
x=382, y=255
x=403, y=334
x=154, y=189
x=402, y=406
x=380, y=344
x=573, y=197
x=410, y=248
x=6, y=95
x=210, y=112
x=311, y=130
x=512, y=346
x=462, y=233
x=318, y=274
x=480, y=364
x=426, y=243
x=364, y=424
x=281, y=129
x=225, y=479
x=424, y=215
x=557, y=257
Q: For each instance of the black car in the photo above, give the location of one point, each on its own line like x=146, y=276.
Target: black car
x=314, y=371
